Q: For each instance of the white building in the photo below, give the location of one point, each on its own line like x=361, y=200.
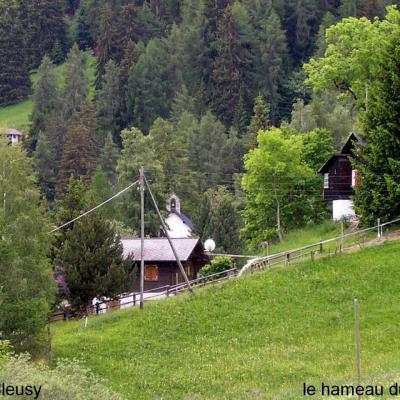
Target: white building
x=13, y=135
x=179, y=224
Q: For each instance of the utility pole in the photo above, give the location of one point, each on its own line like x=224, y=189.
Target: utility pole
x=141, y=188
x=169, y=238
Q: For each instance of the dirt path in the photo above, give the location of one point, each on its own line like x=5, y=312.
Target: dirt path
x=389, y=237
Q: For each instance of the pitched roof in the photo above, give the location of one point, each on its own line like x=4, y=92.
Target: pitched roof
x=185, y=219
x=158, y=249
x=10, y=131
x=346, y=150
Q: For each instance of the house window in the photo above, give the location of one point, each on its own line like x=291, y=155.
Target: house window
x=151, y=273
x=326, y=181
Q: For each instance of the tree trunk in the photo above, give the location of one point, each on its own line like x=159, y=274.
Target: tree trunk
x=278, y=213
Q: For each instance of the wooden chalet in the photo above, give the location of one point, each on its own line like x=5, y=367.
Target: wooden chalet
x=161, y=268
x=340, y=178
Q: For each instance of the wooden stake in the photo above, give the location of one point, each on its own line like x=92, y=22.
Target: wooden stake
x=341, y=235
x=358, y=340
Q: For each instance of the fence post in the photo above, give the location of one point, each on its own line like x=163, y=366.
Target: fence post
x=134, y=299
x=168, y=291
x=379, y=228
x=357, y=339
x=97, y=308
x=287, y=259
x=341, y=235
x=320, y=246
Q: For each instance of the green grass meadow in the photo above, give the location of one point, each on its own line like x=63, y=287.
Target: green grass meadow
x=17, y=115
x=258, y=337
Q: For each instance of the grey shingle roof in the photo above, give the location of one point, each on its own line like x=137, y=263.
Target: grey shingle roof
x=158, y=249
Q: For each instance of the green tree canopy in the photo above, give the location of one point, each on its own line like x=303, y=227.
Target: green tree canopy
x=274, y=170
x=26, y=281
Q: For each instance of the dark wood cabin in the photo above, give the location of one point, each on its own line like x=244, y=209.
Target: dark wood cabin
x=161, y=268
x=340, y=178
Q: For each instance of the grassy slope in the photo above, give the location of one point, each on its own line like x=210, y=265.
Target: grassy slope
x=308, y=235
x=258, y=337
x=17, y=115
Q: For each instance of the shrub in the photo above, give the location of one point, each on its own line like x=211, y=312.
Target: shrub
x=67, y=381
x=217, y=264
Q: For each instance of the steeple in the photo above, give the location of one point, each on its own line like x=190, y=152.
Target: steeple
x=174, y=203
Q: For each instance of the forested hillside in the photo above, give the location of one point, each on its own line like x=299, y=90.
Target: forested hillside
x=183, y=88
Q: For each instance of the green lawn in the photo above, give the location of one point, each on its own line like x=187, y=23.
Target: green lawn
x=259, y=337
x=17, y=115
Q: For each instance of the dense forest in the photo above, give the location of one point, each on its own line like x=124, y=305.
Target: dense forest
x=182, y=87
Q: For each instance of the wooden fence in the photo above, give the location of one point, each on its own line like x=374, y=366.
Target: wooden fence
x=132, y=299
x=322, y=249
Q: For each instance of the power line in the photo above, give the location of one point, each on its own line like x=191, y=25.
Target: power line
x=94, y=208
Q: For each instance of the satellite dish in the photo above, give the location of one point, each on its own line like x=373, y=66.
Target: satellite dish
x=209, y=245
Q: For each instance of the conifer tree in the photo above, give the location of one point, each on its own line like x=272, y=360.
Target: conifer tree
x=200, y=26
x=109, y=160
x=15, y=83
x=69, y=204
x=320, y=44
x=231, y=158
x=55, y=131
x=92, y=256
x=57, y=53
x=300, y=23
x=223, y=220
x=183, y=102
x=348, y=8
x=46, y=165
x=80, y=150
x=108, y=102
x=370, y=9
x=131, y=56
x=233, y=65
x=271, y=60
x=150, y=93
x=130, y=24
x=260, y=121
x=207, y=140
x=48, y=28
x=76, y=85
x=83, y=35
x=46, y=99
x=106, y=42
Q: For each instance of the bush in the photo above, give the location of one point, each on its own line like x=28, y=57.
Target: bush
x=217, y=264
x=67, y=381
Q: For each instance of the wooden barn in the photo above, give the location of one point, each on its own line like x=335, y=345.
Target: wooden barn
x=340, y=179
x=161, y=267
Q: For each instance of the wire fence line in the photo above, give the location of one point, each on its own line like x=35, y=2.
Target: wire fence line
x=324, y=248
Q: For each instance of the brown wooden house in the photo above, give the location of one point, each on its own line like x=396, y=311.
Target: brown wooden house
x=340, y=179
x=161, y=268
